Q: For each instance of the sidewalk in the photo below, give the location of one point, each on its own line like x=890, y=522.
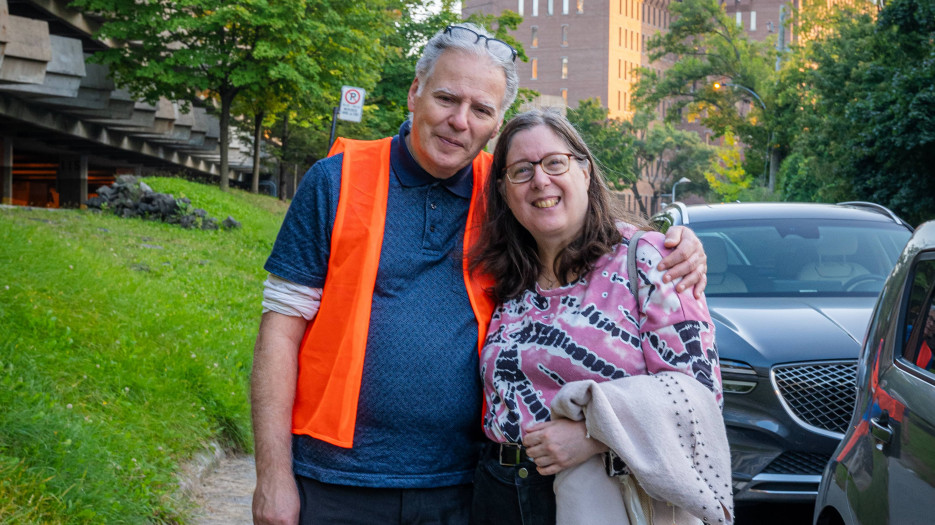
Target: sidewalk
x=226, y=494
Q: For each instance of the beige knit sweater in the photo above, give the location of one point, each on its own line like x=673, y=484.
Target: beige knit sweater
x=668, y=429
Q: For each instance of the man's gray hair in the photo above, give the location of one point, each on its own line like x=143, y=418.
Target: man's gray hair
x=443, y=41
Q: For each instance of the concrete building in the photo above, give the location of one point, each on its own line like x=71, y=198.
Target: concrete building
x=66, y=129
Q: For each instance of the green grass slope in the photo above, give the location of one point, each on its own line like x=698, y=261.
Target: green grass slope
x=125, y=347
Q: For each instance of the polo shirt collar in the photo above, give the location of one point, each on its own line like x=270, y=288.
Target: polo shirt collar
x=410, y=173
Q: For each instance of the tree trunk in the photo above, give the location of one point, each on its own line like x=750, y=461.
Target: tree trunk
x=282, y=160
x=227, y=98
x=639, y=199
x=257, y=140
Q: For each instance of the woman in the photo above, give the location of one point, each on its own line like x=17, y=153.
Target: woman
x=558, y=248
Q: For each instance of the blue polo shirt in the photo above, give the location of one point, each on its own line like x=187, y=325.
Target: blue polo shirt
x=418, y=417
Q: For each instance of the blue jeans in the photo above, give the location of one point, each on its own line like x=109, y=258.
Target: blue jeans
x=326, y=504
x=511, y=495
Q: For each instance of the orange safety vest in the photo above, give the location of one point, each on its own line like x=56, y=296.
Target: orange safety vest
x=331, y=356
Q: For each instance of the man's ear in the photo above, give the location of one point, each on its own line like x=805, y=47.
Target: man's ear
x=413, y=90
x=496, y=130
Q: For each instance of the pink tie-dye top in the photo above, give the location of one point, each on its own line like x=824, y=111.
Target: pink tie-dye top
x=590, y=329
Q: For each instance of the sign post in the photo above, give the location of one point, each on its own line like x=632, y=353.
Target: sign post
x=351, y=108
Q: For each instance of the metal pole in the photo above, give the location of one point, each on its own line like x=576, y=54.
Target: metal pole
x=334, y=123
x=683, y=179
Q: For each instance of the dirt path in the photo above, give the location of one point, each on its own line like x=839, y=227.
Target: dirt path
x=226, y=492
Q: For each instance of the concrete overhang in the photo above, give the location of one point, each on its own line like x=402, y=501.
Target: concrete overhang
x=70, y=128
x=120, y=106
x=63, y=73
x=93, y=93
x=26, y=50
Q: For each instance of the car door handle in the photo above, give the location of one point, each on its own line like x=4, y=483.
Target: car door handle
x=880, y=427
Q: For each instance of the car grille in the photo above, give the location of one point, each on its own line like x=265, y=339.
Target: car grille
x=819, y=396
x=798, y=463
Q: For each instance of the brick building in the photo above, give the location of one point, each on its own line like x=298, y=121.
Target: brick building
x=580, y=49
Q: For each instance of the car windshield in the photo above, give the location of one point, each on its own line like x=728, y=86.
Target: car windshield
x=789, y=257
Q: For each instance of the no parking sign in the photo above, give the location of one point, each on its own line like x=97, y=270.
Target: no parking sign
x=352, y=103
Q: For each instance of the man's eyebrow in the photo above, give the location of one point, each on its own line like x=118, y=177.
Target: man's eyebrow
x=457, y=96
x=446, y=91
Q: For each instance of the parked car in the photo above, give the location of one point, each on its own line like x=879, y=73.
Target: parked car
x=790, y=288
x=883, y=471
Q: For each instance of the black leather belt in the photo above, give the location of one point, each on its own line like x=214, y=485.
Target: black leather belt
x=509, y=454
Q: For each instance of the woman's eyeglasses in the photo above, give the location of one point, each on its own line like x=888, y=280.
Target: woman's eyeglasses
x=499, y=48
x=524, y=170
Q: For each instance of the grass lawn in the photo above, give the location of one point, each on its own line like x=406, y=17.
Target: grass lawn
x=125, y=347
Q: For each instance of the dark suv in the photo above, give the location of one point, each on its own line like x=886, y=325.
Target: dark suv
x=790, y=288
x=884, y=469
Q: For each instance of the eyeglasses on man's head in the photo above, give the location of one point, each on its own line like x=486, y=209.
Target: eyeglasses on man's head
x=552, y=164
x=497, y=47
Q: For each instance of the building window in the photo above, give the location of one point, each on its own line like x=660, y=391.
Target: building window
x=549, y=6
x=619, y=37
x=564, y=7
x=618, y=100
x=752, y=20
x=565, y=95
x=534, y=63
x=739, y=17
x=535, y=36
x=580, y=5
x=535, y=7
x=564, y=35
x=619, y=68
x=564, y=67
x=519, y=7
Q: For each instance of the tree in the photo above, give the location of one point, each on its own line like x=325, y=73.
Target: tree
x=260, y=103
x=611, y=144
x=705, y=46
x=609, y=141
x=194, y=48
x=858, y=103
x=726, y=174
x=665, y=153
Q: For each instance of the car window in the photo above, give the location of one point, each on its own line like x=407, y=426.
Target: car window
x=919, y=326
x=799, y=256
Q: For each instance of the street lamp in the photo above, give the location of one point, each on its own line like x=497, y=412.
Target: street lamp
x=717, y=86
x=769, y=141
x=683, y=179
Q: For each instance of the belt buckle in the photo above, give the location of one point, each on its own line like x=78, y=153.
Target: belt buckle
x=510, y=454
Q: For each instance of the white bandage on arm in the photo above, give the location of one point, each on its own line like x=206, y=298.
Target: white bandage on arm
x=288, y=298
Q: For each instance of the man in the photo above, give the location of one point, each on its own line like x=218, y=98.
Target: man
x=372, y=414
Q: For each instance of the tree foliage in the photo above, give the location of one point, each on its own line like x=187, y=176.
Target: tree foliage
x=301, y=49
x=706, y=46
x=858, y=106
x=726, y=174
x=609, y=140
x=386, y=104
x=665, y=153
